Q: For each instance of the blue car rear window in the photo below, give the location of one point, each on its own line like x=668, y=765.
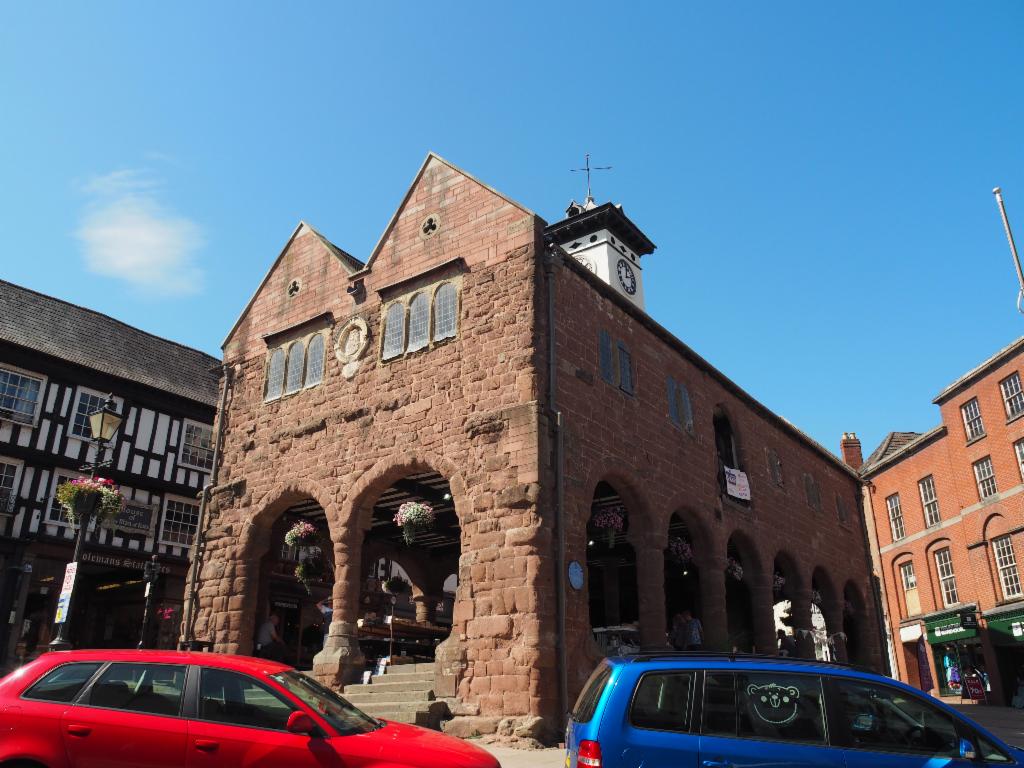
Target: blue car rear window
x=586, y=704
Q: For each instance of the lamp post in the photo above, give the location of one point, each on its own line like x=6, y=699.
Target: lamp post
x=103, y=423
x=150, y=574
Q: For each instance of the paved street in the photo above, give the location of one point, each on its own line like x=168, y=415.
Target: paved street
x=527, y=758
x=1005, y=722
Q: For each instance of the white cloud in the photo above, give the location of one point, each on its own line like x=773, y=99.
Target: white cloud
x=128, y=234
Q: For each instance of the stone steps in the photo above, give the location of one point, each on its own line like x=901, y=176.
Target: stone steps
x=403, y=694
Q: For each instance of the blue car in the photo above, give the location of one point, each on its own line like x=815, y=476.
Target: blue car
x=683, y=710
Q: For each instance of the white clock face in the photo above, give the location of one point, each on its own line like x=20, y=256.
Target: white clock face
x=626, y=277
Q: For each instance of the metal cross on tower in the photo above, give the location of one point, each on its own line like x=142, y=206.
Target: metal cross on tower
x=587, y=169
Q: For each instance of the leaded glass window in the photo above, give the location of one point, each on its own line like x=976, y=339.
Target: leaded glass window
x=296, y=361
x=315, y=360
x=275, y=375
x=419, y=322
x=445, y=310
x=394, y=331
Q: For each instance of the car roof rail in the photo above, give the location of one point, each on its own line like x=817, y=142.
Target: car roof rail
x=656, y=654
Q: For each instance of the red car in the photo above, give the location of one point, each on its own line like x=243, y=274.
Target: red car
x=165, y=709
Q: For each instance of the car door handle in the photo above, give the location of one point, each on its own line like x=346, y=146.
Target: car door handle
x=207, y=745
x=79, y=730
x=716, y=764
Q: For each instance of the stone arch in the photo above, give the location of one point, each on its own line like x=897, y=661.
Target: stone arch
x=681, y=581
x=827, y=599
x=254, y=542
x=705, y=544
x=744, y=585
x=379, y=477
x=253, y=539
x=788, y=591
x=785, y=564
x=642, y=523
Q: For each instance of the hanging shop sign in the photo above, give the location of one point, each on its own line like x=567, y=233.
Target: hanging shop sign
x=969, y=620
x=118, y=561
x=910, y=634
x=1007, y=629
x=949, y=628
x=135, y=517
x=736, y=484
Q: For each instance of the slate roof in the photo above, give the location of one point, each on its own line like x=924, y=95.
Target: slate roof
x=79, y=335
x=893, y=442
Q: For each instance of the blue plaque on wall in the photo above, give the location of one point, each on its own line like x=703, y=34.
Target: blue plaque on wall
x=576, y=575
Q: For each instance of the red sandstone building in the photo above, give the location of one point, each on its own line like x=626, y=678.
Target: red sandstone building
x=949, y=516
x=591, y=475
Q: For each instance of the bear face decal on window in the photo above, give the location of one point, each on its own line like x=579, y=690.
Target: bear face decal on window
x=775, y=704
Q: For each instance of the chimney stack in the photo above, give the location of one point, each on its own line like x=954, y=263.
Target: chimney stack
x=849, y=446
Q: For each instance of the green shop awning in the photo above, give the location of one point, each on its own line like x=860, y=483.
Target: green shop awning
x=946, y=629
x=1006, y=629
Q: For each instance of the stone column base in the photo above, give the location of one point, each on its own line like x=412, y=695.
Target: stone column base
x=341, y=661
x=449, y=664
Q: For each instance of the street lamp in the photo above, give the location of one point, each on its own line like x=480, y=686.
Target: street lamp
x=103, y=423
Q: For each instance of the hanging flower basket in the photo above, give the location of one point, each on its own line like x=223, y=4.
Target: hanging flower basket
x=309, y=570
x=734, y=569
x=412, y=517
x=302, y=534
x=778, y=583
x=396, y=585
x=612, y=521
x=90, y=496
x=679, y=550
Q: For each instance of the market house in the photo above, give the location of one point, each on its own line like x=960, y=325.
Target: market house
x=588, y=475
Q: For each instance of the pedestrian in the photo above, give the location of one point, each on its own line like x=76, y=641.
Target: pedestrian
x=694, y=632
x=787, y=645
x=677, y=636
x=268, y=641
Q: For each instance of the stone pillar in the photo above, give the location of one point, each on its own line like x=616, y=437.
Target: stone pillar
x=426, y=608
x=800, y=612
x=762, y=607
x=650, y=582
x=833, y=628
x=610, y=580
x=341, y=659
x=712, y=603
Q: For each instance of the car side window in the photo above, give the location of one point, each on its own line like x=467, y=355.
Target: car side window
x=662, y=701
x=780, y=707
x=63, y=683
x=989, y=752
x=236, y=699
x=586, y=704
x=719, y=704
x=885, y=719
x=153, y=689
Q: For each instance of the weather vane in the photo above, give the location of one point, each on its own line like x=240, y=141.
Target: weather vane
x=587, y=169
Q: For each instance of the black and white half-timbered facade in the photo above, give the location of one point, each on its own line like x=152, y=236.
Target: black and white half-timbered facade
x=58, y=363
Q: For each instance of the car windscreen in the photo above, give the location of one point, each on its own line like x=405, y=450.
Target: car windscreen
x=339, y=713
x=586, y=704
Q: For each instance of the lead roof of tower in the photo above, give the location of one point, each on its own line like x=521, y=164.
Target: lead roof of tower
x=606, y=216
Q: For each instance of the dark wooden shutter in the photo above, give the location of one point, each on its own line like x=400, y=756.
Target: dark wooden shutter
x=625, y=369
x=673, y=405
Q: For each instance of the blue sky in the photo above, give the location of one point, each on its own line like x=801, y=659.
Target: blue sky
x=817, y=176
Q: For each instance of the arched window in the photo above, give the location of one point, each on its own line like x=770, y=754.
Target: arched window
x=296, y=358
x=445, y=306
x=275, y=374
x=394, y=331
x=315, y=360
x=419, y=322
x=725, y=442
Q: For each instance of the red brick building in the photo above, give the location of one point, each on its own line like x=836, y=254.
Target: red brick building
x=590, y=474
x=949, y=515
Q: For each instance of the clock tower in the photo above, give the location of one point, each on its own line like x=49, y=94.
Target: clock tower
x=606, y=242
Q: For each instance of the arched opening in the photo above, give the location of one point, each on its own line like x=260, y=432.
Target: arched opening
x=738, y=603
x=785, y=585
x=611, y=574
x=823, y=607
x=682, y=587
x=296, y=573
x=409, y=560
